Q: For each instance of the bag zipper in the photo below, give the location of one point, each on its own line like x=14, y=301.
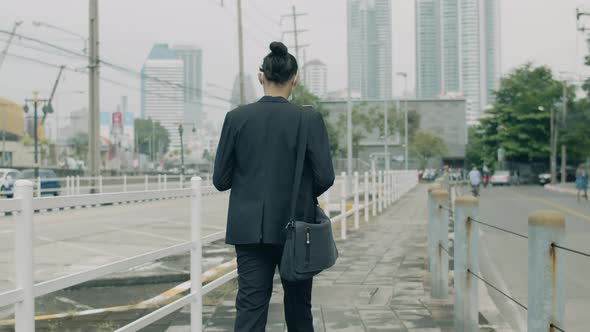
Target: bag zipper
x=307, y=245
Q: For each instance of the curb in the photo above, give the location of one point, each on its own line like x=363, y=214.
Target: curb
x=558, y=189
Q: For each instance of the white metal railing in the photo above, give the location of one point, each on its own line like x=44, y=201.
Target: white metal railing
x=384, y=190
x=76, y=185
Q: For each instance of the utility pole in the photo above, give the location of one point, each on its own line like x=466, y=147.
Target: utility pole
x=553, y=146
x=563, y=147
x=3, y=55
x=294, y=15
x=386, y=135
x=348, y=96
x=93, y=92
x=241, y=53
x=405, y=76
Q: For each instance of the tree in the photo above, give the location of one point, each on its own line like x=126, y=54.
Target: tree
x=361, y=125
x=147, y=130
x=519, y=119
x=576, y=134
x=426, y=146
x=79, y=142
x=301, y=96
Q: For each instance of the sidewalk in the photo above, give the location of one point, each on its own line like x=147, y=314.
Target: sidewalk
x=564, y=188
x=378, y=283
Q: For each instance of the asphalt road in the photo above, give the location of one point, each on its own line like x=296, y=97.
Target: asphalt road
x=504, y=259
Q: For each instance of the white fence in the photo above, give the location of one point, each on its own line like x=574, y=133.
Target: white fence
x=378, y=191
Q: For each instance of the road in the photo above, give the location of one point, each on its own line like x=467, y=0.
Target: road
x=504, y=256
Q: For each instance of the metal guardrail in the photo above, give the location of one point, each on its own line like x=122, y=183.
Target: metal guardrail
x=385, y=189
x=546, y=295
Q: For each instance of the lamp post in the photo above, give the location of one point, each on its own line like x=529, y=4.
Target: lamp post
x=180, y=131
x=405, y=76
x=47, y=109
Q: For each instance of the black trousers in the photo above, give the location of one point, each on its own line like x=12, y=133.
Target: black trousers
x=256, y=269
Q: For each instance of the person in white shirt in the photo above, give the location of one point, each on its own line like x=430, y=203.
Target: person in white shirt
x=475, y=180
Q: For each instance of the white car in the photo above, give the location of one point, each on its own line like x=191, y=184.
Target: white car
x=504, y=178
x=7, y=178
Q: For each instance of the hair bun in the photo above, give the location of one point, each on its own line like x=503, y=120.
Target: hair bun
x=278, y=48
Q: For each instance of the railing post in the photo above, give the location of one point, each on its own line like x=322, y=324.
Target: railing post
x=146, y=181
x=39, y=192
x=439, y=225
x=125, y=183
x=24, y=312
x=165, y=181
x=391, y=188
x=68, y=189
x=546, y=266
x=356, y=201
x=195, y=256
x=100, y=184
x=366, y=197
x=374, y=191
x=343, y=206
x=380, y=191
x=181, y=181
x=466, y=248
x=78, y=185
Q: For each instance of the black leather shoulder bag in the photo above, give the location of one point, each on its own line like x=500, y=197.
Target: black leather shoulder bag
x=309, y=248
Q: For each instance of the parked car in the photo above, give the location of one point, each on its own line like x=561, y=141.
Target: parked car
x=429, y=175
x=7, y=178
x=49, y=183
x=504, y=178
x=570, y=175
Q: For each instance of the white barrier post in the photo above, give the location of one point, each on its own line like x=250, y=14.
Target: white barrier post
x=181, y=181
x=546, y=296
x=125, y=183
x=24, y=312
x=100, y=184
x=165, y=181
x=396, y=187
x=195, y=256
x=374, y=191
x=380, y=191
x=356, y=201
x=159, y=181
x=39, y=192
x=439, y=239
x=366, y=197
x=146, y=181
x=78, y=185
x=466, y=287
x=343, y=206
x=391, y=187
x=68, y=192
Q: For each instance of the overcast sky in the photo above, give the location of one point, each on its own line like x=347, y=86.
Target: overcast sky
x=541, y=31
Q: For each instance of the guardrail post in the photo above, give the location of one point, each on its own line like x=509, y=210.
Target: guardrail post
x=343, y=206
x=380, y=191
x=165, y=181
x=391, y=188
x=100, y=184
x=146, y=181
x=39, y=192
x=366, y=197
x=77, y=184
x=181, y=181
x=546, y=266
x=68, y=189
x=24, y=312
x=439, y=225
x=195, y=256
x=125, y=183
x=466, y=248
x=356, y=201
x=159, y=181
x=374, y=192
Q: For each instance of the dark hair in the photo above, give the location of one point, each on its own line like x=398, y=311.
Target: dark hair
x=279, y=66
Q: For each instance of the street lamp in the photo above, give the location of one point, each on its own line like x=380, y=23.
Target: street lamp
x=180, y=131
x=405, y=76
x=47, y=109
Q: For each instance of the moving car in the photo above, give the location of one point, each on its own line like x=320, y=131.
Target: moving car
x=7, y=178
x=504, y=178
x=49, y=182
x=429, y=175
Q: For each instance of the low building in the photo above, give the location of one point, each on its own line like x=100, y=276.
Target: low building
x=441, y=117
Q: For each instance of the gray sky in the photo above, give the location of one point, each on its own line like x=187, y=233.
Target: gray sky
x=541, y=31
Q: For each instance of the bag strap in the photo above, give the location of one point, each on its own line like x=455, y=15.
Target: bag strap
x=301, y=148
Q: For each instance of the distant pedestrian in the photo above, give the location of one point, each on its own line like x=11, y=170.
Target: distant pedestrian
x=256, y=159
x=475, y=180
x=582, y=181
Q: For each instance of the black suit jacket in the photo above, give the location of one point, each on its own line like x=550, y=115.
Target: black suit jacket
x=256, y=159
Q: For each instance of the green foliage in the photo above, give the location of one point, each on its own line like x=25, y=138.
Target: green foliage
x=79, y=142
x=147, y=130
x=27, y=140
x=362, y=123
x=576, y=134
x=426, y=146
x=515, y=121
x=300, y=96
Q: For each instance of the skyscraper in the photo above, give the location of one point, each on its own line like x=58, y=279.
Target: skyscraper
x=457, y=51
x=315, y=75
x=370, y=48
x=192, y=59
x=162, y=90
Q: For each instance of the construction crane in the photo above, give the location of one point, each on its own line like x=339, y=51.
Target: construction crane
x=3, y=54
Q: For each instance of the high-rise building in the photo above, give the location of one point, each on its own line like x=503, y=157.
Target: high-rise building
x=192, y=59
x=163, y=90
x=458, y=51
x=249, y=93
x=315, y=76
x=370, y=48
